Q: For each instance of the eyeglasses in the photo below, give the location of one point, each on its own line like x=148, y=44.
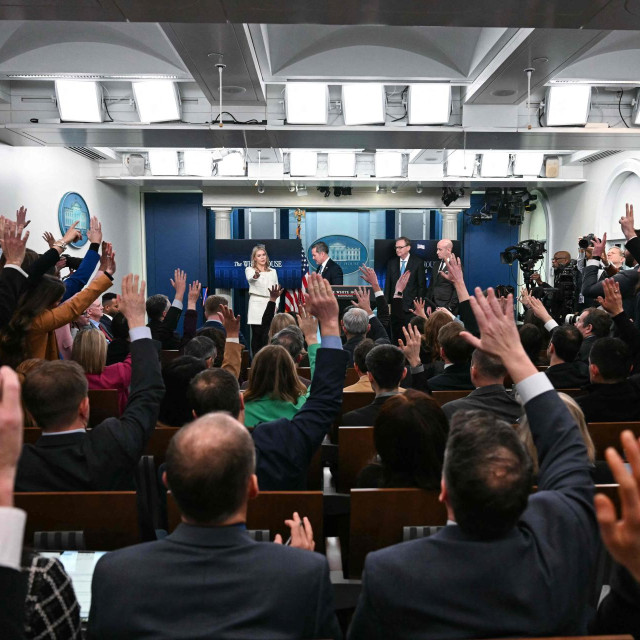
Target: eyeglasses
x=402, y=246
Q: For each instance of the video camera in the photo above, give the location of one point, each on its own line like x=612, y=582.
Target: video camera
x=527, y=252
x=586, y=241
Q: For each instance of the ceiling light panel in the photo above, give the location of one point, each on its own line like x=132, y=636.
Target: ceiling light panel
x=528, y=163
x=363, y=103
x=303, y=163
x=388, y=164
x=429, y=103
x=341, y=165
x=157, y=100
x=163, y=162
x=495, y=164
x=197, y=162
x=461, y=163
x=567, y=105
x=231, y=165
x=79, y=101
x=307, y=103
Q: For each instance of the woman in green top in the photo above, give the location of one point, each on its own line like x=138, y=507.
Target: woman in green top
x=274, y=390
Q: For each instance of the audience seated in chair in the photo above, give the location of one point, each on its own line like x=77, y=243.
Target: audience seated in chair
x=565, y=370
x=611, y=396
x=531, y=338
x=203, y=348
x=177, y=375
x=67, y=457
x=592, y=324
x=168, y=588
x=455, y=351
x=487, y=374
x=410, y=433
x=90, y=352
x=513, y=563
x=355, y=324
x=214, y=318
x=360, y=364
x=118, y=348
x=430, y=353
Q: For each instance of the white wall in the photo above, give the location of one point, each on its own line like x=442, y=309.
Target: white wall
x=596, y=205
x=38, y=177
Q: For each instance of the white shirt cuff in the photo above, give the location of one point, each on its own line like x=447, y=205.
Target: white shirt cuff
x=592, y=262
x=236, y=340
x=533, y=386
x=417, y=369
x=372, y=315
x=138, y=333
x=550, y=324
x=12, y=523
x=17, y=268
x=377, y=294
x=178, y=304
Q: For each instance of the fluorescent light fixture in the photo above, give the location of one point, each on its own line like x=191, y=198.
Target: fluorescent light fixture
x=197, y=162
x=231, y=165
x=163, y=162
x=429, y=103
x=388, y=164
x=363, y=103
x=79, y=101
x=567, y=105
x=303, y=163
x=461, y=163
x=156, y=100
x=341, y=165
x=494, y=164
x=528, y=163
x=307, y=102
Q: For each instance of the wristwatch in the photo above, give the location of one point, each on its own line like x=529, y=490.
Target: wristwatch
x=61, y=244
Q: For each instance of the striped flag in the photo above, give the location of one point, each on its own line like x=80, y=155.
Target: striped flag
x=295, y=297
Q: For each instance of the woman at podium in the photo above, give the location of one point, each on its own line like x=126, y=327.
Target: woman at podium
x=260, y=278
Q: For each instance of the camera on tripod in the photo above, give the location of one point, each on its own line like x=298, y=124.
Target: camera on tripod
x=586, y=241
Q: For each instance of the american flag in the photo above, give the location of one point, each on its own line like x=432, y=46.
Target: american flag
x=295, y=297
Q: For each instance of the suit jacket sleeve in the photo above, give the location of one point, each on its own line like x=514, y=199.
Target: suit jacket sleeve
x=42, y=264
x=397, y=316
x=189, y=326
x=377, y=330
x=592, y=288
x=170, y=321
x=366, y=623
x=384, y=314
x=51, y=319
x=391, y=279
x=13, y=593
x=420, y=381
x=269, y=313
x=12, y=284
x=468, y=319
x=338, y=279
x=232, y=361
x=633, y=246
x=77, y=280
x=619, y=612
x=326, y=623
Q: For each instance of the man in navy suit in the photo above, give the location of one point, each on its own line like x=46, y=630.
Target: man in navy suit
x=327, y=268
x=209, y=578
x=509, y=563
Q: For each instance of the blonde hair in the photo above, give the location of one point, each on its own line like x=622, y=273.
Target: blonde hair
x=90, y=350
x=523, y=430
x=259, y=247
x=279, y=322
x=273, y=374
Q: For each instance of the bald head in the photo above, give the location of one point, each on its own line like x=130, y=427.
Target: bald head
x=210, y=463
x=444, y=248
x=560, y=259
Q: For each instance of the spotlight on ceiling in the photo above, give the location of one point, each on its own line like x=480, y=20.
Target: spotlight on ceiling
x=292, y=188
x=449, y=195
x=418, y=189
x=394, y=189
x=260, y=187
x=380, y=189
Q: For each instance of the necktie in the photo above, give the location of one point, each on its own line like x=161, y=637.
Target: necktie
x=403, y=266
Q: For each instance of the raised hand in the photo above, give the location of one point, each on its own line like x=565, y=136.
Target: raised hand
x=599, y=246
x=411, y=344
x=131, y=302
x=275, y=292
x=418, y=308
x=108, y=259
x=308, y=325
x=48, y=238
x=301, y=533
x=194, y=294
x=403, y=280
x=362, y=300
x=626, y=223
x=95, y=231
x=13, y=244
x=454, y=269
x=369, y=276
x=321, y=302
x=230, y=322
x=72, y=234
x=539, y=309
x=21, y=218
x=11, y=429
x=612, y=301
x=622, y=537
x=179, y=283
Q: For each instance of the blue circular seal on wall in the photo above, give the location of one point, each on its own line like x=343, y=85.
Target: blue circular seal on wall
x=73, y=207
x=348, y=252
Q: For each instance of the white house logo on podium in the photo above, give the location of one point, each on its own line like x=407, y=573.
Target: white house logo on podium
x=73, y=207
x=348, y=252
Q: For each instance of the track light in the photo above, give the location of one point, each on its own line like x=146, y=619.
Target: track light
x=260, y=187
x=292, y=188
x=325, y=191
x=394, y=189
x=418, y=189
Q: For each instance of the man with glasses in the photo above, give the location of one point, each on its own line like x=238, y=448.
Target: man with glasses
x=405, y=261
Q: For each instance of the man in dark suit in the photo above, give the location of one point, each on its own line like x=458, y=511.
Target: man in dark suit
x=213, y=316
x=285, y=447
x=109, y=309
x=164, y=316
x=67, y=457
x=209, y=578
x=514, y=562
x=386, y=368
x=565, y=370
x=487, y=374
x=441, y=291
x=327, y=268
x=417, y=284
x=611, y=396
x=592, y=324
x=456, y=353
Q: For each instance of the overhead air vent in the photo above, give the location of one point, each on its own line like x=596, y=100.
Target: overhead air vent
x=88, y=153
x=597, y=155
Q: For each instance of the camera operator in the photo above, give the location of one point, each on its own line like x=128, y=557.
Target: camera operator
x=567, y=282
x=627, y=279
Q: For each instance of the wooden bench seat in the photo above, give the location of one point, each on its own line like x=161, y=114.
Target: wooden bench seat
x=607, y=434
